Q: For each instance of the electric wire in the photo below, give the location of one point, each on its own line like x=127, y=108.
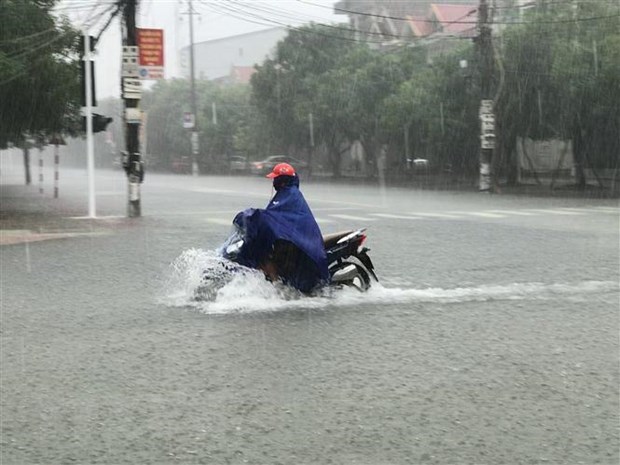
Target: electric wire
x=350, y=29
x=266, y=22
x=257, y=19
x=559, y=21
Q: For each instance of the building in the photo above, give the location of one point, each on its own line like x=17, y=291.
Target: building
x=392, y=19
x=230, y=58
x=448, y=20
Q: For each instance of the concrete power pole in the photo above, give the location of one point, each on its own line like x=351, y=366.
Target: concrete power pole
x=487, y=111
x=133, y=163
x=194, y=139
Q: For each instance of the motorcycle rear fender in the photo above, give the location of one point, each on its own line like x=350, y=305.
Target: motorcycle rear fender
x=363, y=257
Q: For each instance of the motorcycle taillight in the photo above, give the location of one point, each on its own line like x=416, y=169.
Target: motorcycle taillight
x=362, y=239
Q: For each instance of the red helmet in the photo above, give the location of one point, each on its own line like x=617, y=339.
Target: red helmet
x=282, y=169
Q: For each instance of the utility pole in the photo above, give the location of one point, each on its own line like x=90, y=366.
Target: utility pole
x=90, y=148
x=487, y=112
x=194, y=139
x=132, y=159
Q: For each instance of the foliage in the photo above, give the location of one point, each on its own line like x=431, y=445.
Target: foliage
x=284, y=88
x=220, y=137
x=556, y=77
x=39, y=73
x=562, y=80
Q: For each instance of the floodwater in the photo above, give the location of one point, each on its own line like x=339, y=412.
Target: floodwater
x=492, y=337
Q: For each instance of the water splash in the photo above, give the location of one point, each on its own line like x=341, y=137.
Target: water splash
x=248, y=291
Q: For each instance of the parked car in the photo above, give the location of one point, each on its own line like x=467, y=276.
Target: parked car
x=417, y=165
x=181, y=165
x=264, y=167
x=238, y=164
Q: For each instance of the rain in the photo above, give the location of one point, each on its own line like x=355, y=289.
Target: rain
x=430, y=273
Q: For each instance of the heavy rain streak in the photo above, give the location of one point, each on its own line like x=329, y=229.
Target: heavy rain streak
x=310, y=232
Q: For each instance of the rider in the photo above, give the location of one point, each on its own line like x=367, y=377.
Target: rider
x=284, y=239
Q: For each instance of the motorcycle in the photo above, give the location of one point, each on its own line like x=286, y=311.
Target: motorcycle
x=349, y=264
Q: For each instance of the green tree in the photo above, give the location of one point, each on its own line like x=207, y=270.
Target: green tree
x=39, y=73
x=561, y=78
x=437, y=106
x=221, y=135
x=284, y=88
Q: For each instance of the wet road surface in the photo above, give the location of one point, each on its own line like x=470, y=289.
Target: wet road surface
x=493, y=338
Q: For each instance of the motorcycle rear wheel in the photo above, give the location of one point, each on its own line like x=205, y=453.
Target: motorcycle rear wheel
x=361, y=280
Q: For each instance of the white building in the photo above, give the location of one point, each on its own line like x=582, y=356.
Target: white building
x=216, y=59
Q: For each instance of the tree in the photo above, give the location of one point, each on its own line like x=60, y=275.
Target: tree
x=222, y=134
x=284, y=88
x=39, y=72
x=562, y=79
x=438, y=107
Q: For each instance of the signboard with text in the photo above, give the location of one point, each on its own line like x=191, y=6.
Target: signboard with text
x=151, y=53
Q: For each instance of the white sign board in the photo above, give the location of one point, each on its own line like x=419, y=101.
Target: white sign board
x=129, y=66
x=132, y=88
x=188, y=120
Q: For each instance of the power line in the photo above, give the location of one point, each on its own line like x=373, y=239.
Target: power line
x=560, y=21
x=258, y=19
x=287, y=14
x=330, y=26
x=266, y=22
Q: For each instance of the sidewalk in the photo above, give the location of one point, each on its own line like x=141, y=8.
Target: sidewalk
x=27, y=216
x=448, y=183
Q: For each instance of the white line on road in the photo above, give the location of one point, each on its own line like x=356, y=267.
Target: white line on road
x=396, y=217
x=482, y=214
x=353, y=218
x=513, y=212
x=437, y=215
x=323, y=220
x=222, y=221
x=607, y=210
x=109, y=217
x=553, y=212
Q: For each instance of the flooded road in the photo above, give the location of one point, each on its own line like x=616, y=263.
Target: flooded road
x=493, y=337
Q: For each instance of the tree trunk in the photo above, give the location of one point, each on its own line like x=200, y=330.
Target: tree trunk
x=27, y=165
x=333, y=151
x=578, y=147
x=512, y=162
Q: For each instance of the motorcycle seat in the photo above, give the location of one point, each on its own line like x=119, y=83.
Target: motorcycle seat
x=330, y=240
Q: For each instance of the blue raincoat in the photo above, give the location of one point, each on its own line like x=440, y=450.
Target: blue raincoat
x=286, y=218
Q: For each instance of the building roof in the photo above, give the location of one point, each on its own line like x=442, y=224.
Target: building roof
x=420, y=26
x=447, y=18
x=455, y=19
x=242, y=74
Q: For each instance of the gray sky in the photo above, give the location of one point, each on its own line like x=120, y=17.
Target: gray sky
x=215, y=19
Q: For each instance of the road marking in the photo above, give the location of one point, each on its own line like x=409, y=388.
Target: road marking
x=553, y=212
x=437, y=215
x=19, y=236
x=482, y=214
x=353, y=218
x=324, y=220
x=581, y=209
x=396, y=217
x=196, y=213
x=513, y=212
x=222, y=221
x=612, y=210
x=109, y=217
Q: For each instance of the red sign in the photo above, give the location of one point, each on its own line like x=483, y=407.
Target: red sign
x=151, y=47
x=151, y=54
